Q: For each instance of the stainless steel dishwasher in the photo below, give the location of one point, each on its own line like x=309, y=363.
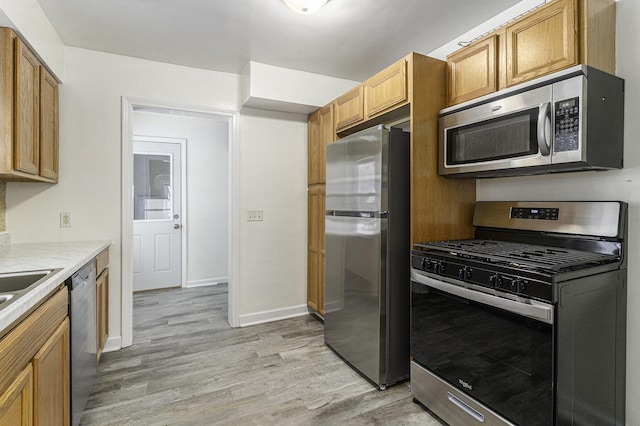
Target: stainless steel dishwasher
x=82, y=312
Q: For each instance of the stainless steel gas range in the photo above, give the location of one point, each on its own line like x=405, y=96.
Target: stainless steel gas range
x=526, y=323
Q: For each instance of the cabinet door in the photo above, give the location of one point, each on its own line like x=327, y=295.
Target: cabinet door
x=51, y=379
x=320, y=214
x=48, y=125
x=27, y=111
x=472, y=71
x=315, y=266
x=543, y=42
x=313, y=150
x=386, y=89
x=349, y=108
x=327, y=135
x=16, y=403
x=102, y=303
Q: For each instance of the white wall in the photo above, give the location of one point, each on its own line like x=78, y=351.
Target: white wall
x=272, y=276
x=90, y=169
x=273, y=154
x=621, y=185
x=207, y=195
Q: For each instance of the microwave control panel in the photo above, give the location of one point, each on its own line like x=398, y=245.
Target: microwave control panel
x=567, y=125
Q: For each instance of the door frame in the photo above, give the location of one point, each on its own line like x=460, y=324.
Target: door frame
x=128, y=105
x=183, y=199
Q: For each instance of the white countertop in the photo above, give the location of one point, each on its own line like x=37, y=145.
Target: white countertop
x=69, y=256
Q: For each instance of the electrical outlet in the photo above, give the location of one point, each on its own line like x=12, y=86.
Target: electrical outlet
x=254, y=215
x=65, y=219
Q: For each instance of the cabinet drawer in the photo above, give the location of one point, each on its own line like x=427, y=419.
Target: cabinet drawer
x=102, y=261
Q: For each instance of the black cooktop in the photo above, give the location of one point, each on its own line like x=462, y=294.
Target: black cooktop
x=527, y=256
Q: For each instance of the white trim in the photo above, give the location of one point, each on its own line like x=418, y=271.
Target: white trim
x=273, y=315
x=183, y=199
x=207, y=281
x=128, y=104
x=113, y=344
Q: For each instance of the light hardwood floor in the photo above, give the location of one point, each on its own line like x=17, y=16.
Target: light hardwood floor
x=188, y=367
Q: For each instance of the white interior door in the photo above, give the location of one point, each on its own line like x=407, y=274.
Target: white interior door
x=157, y=215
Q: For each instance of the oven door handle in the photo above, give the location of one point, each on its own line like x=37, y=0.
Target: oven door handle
x=535, y=310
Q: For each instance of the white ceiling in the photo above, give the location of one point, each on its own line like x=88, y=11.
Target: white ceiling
x=351, y=39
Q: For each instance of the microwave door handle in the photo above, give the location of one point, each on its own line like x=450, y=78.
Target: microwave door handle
x=544, y=129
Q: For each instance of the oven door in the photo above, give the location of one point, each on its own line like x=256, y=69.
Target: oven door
x=484, y=347
x=507, y=133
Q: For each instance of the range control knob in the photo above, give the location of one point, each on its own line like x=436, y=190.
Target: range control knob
x=464, y=273
x=495, y=281
x=424, y=263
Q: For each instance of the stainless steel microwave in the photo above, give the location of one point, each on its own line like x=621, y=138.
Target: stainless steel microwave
x=571, y=120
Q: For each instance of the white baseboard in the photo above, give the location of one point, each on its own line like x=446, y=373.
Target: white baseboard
x=207, y=281
x=114, y=343
x=273, y=315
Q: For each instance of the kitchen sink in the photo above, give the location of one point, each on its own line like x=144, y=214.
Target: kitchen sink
x=15, y=284
x=20, y=280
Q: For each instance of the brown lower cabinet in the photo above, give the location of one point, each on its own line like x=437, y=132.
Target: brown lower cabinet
x=102, y=300
x=315, y=251
x=34, y=361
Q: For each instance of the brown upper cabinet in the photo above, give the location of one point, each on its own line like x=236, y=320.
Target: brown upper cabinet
x=555, y=36
x=349, y=108
x=385, y=91
x=29, y=114
x=473, y=71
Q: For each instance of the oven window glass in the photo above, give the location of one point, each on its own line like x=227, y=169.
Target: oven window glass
x=507, y=136
x=501, y=359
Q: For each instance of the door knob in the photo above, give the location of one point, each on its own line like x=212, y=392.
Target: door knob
x=176, y=226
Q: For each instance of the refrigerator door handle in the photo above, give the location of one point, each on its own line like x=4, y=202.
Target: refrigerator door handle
x=365, y=215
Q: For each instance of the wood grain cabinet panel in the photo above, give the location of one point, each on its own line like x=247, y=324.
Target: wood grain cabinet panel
x=16, y=403
x=542, y=42
x=102, y=301
x=386, y=90
x=27, y=111
x=48, y=125
x=473, y=70
x=315, y=251
x=349, y=108
x=327, y=135
x=313, y=149
x=51, y=379
x=29, y=114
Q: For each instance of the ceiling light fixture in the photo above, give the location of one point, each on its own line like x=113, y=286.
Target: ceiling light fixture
x=305, y=7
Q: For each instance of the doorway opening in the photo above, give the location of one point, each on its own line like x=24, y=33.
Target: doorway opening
x=210, y=195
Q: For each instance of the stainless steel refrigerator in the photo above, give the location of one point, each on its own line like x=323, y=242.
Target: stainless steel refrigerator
x=367, y=248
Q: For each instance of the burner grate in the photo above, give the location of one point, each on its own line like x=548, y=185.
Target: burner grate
x=537, y=256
